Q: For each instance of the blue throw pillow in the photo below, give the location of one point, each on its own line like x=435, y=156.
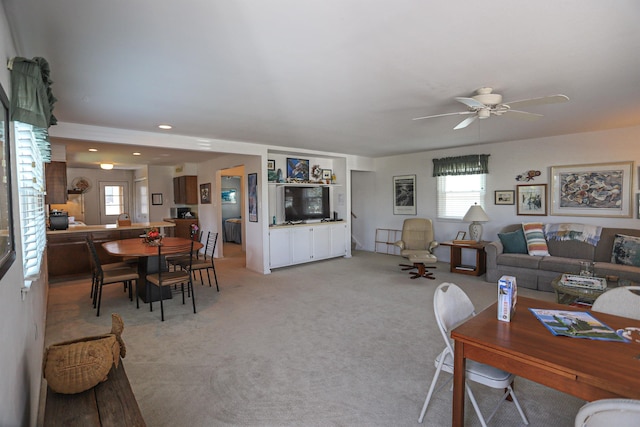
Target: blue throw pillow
x=514, y=242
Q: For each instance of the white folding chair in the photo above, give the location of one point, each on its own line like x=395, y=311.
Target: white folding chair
x=453, y=307
x=622, y=301
x=609, y=413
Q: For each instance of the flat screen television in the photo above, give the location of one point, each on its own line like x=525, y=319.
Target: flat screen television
x=305, y=203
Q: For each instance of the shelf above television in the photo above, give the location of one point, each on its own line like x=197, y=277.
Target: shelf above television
x=303, y=184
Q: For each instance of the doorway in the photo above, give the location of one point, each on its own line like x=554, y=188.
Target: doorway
x=114, y=200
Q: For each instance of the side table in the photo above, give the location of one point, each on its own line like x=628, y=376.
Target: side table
x=456, y=265
x=568, y=294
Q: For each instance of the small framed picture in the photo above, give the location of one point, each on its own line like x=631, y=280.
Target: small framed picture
x=271, y=165
x=532, y=199
x=504, y=197
x=156, y=198
x=461, y=235
x=326, y=173
x=205, y=193
x=252, y=183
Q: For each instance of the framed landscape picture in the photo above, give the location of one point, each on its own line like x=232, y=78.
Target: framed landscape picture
x=404, y=195
x=532, y=199
x=504, y=197
x=603, y=189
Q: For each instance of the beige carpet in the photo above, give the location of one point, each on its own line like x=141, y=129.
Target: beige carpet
x=344, y=342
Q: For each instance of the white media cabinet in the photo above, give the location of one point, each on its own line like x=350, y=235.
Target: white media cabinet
x=300, y=243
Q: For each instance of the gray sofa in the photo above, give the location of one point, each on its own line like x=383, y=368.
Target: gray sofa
x=537, y=272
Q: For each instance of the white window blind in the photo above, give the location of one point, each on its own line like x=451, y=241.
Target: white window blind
x=456, y=193
x=32, y=208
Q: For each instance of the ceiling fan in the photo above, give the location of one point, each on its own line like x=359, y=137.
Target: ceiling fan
x=485, y=104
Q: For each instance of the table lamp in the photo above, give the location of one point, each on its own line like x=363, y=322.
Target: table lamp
x=475, y=215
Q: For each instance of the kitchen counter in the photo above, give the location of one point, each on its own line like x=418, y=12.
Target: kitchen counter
x=108, y=227
x=67, y=252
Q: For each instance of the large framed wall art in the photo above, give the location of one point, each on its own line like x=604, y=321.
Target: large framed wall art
x=601, y=189
x=253, y=196
x=404, y=195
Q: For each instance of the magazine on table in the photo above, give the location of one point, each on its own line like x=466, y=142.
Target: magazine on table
x=576, y=324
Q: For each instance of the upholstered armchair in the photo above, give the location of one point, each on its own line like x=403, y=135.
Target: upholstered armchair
x=417, y=246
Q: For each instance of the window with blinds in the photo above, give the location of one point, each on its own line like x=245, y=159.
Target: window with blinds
x=456, y=193
x=31, y=194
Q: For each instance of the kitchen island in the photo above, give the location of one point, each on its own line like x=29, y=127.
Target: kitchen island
x=67, y=252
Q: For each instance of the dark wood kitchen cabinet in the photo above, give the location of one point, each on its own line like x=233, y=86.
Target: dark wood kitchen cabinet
x=56, y=182
x=185, y=190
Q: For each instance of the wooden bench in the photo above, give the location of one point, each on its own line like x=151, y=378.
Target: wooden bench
x=110, y=403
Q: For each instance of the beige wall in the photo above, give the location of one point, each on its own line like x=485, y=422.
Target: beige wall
x=507, y=160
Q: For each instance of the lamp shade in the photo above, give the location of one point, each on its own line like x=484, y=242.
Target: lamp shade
x=475, y=214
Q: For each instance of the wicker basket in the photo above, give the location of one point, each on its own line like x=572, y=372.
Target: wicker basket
x=78, y=365
x=124, y=220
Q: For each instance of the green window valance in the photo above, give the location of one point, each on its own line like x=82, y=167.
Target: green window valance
x=32, y=99
x=461, y=165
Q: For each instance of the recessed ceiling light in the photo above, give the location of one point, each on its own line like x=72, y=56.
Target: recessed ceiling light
x=93, y=149
x=106, y=166
x=137, y=154
x=165, y=127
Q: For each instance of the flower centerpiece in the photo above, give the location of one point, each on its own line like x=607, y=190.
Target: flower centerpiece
x=152, y=237
x=194, y=230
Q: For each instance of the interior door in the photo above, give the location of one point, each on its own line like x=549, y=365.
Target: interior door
x=140, y=201
x=114, y=200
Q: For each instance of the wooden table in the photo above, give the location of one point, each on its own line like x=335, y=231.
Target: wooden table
x=148, y=265
x=587, y=369
x=456, y=265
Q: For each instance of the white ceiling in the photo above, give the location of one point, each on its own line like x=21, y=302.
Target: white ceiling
x=345, y=76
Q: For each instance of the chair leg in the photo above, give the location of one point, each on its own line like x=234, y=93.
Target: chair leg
x=137, y=298
x=215, y=276
x=99, y=290
x=430, y=393
x=149, y=296
x=518, y=407
x=475, y=404
x=193, y=295
x=161, y=306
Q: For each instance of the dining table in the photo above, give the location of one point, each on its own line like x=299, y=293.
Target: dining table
x=148, y=262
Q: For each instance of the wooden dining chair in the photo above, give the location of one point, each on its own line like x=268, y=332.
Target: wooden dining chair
x=102, y=276
x=171, y=279
x=206, y=262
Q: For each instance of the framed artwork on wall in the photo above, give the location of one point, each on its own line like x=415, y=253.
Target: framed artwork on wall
x=205, y=193
x=156, y=198
x=228, y=196
x=532, y=199
x=253, y=197
x=7, y=241
x=602, y=189
x=404, y=195
x=297, y=169
x=504, y=197
x=271, y=165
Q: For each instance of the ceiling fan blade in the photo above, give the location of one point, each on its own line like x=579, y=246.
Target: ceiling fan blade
x=524, y=115
x=446, y=114
x=466, y=122
x=551, y=99
x=470, y=102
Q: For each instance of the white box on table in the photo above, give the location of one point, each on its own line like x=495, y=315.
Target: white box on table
x=507, y=297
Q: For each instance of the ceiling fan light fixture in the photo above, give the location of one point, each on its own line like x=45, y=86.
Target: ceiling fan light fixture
x=484, y=113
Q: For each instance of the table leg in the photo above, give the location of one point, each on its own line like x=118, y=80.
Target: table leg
x=149, y=265
x=459, y=371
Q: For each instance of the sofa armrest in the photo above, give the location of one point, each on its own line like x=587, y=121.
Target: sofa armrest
x=433, y=245
x=399, y=243
x=493, y=249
